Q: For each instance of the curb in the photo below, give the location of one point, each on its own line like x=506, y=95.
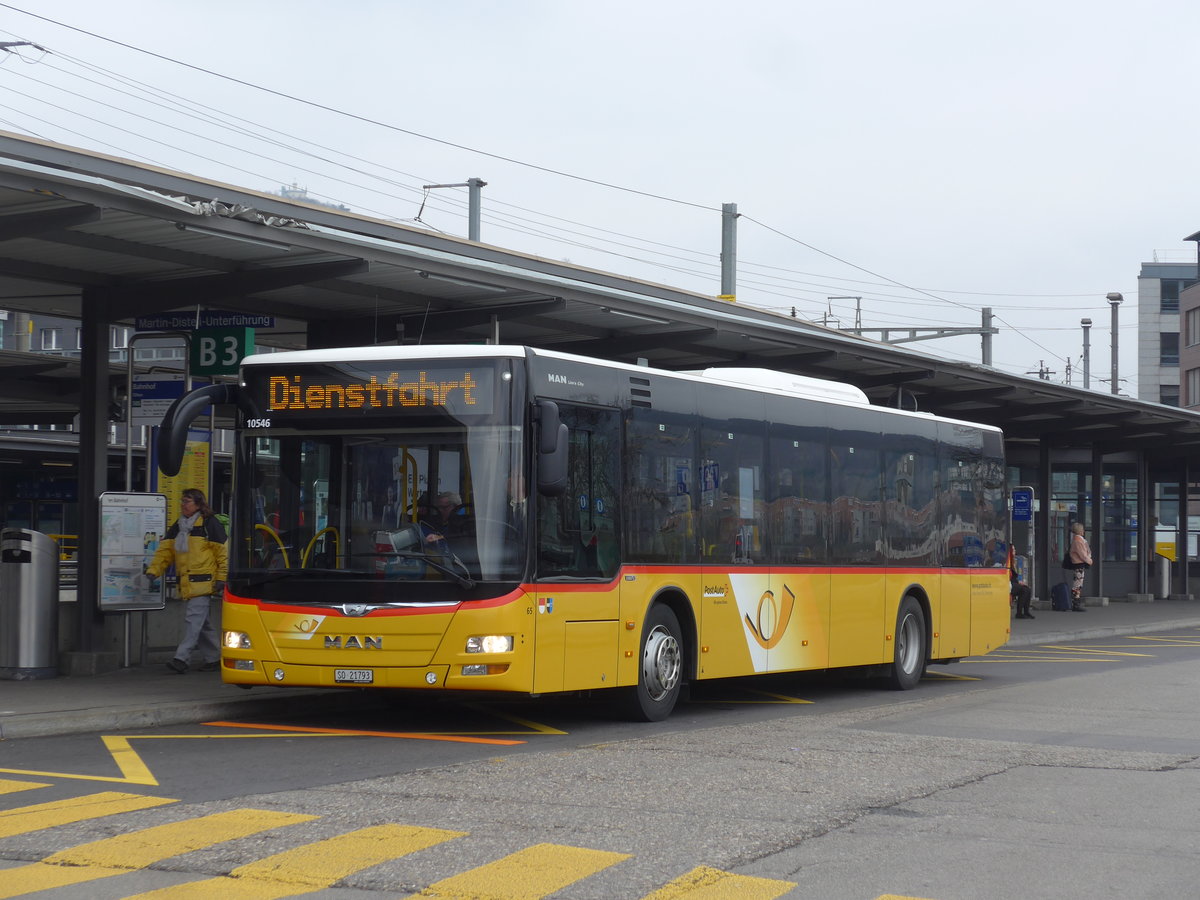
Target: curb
x=1101, y=631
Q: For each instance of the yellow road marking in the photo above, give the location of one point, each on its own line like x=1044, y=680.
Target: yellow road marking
x=12, y=787
x=1170, y=642
x=130, y=764
x=948, y=676
x=897, y=897
x=705, y=883
x=780, y=698
x=535, y=727
x=1097, y=650
x=309, y=868
x=994, y=660
x=128, y=852
x=63, y=812
x=348, y=732
x=528, y=874
x=774, y=698
x=135, y=771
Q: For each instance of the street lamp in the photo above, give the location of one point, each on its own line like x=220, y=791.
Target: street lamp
x=1087, y=353
x=1115, y=300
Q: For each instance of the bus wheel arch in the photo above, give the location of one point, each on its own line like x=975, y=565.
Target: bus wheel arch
x=910, y=641
x=664, y=659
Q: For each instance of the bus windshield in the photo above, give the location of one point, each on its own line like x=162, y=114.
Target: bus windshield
x=409, y=507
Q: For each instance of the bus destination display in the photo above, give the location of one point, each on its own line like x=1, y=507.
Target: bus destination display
x=330, y=392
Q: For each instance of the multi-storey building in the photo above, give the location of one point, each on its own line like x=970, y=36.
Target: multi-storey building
x=1160, y=285
x=1189, y=349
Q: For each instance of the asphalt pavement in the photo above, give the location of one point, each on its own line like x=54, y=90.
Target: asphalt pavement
x=151, y=696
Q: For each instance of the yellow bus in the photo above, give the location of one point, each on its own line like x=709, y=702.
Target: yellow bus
x=501, y=518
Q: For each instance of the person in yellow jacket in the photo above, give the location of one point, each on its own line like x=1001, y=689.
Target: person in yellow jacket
x=195, y=543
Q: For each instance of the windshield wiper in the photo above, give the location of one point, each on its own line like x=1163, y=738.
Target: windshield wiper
x=463, y=581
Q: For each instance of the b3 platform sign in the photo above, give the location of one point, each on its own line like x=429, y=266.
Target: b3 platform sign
x=219, y=351
x=131, y=525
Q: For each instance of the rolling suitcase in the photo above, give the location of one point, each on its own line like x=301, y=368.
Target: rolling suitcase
x=1060, y=597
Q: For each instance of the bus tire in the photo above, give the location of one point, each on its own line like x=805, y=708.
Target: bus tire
x=660, y=668
x=908, y=665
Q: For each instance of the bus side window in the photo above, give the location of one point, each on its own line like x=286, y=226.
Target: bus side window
x=733, y=516
x=856, y=504
x=659, y=490
x=799, y=498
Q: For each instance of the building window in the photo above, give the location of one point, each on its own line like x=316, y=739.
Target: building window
x=1169, y=290
x=118, y=337
x=1168, y=353
x=78, y=338
x=1168, y=394
x=1193, y=387
x=51, y=338
x=1192, y=326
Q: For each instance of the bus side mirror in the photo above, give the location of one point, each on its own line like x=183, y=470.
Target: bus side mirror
x=172, y=434
x=552, y=450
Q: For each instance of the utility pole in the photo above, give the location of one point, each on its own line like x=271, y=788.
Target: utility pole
x=1087, y=353
x=474, y=202
x=987, y=329
x=985, y=340
x=857, y=310
x=729, y=215
x=1114, y=299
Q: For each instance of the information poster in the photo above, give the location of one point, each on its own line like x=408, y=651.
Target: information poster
x=153, y=395
x=193, y=470
x=131, y=525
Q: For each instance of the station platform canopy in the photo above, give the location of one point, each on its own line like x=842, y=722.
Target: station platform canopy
x=155, y=247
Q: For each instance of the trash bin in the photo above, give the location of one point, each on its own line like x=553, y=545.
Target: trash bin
x=1162, y=577
x=28, y=605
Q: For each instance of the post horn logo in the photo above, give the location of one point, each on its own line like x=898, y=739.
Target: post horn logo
x=772, y=621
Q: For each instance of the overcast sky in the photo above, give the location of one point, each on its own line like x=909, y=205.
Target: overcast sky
x=931, y=157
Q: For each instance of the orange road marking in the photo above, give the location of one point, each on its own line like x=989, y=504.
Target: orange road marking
x=349, y=732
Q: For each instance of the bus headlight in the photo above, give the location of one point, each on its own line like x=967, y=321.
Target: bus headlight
x=236, y=640
x=490, y=643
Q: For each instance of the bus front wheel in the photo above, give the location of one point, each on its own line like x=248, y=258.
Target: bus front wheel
x=909, y=645
x=660, y=668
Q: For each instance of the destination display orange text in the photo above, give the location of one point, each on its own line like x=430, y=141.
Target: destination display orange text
x=458, y=391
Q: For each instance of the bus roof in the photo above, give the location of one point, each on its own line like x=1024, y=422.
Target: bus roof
x=760, y=379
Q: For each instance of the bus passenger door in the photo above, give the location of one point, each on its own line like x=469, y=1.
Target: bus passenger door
x=576, y=546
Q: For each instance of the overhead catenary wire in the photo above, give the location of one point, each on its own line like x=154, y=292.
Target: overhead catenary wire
x=365, y=119
x=252, y=135
x=681, y=260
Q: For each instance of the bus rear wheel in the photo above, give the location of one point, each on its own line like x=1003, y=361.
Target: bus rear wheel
x=660, y=668
x=909, y=645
